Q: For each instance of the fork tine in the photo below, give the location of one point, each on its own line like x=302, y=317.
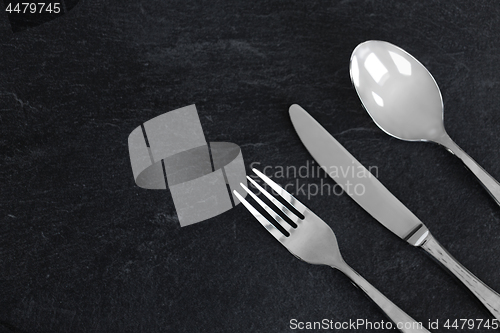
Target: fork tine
x=268, y=209
x=295, y=219
x=265, y=222
x=283, y=193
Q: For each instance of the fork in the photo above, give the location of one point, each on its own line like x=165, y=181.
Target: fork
x=314, y=242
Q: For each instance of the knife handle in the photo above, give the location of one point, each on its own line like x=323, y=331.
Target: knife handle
x=487, y=296
x=403, y=321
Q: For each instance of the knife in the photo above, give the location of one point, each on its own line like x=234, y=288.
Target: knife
x=376, y=199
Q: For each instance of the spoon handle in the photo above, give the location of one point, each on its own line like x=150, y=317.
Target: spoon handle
x=489, y=183
x=403, y=321
x=485, y=294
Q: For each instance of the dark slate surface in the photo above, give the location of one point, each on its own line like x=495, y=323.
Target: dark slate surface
x=82, y=249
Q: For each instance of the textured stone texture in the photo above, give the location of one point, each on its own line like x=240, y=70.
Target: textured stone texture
x=82, y=249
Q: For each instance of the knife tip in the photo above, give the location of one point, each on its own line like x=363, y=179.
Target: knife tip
x=295, y=109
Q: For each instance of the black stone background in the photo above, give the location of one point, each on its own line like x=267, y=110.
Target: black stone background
x=82, y=249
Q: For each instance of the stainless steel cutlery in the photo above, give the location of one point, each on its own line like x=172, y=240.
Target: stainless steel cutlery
x=382, y=204
x=313, y=241
x=404, y=100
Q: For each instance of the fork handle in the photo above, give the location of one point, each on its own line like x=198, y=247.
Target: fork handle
x=485, y=294
x=403, y=321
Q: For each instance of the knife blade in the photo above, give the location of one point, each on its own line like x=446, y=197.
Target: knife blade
x=380, y=203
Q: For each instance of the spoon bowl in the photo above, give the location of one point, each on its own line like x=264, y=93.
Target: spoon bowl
x=404, y=100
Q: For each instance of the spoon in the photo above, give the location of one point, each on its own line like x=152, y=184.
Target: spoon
x=404, y=100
